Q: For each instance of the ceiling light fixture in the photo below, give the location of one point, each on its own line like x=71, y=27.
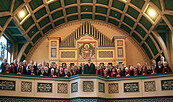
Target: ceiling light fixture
x=151, y=13
x=22, y=14
x=48, y=1
x=124, y=0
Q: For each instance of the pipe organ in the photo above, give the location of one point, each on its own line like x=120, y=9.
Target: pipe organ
x=87, y=42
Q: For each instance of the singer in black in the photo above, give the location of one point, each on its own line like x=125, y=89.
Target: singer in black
x=89, y=68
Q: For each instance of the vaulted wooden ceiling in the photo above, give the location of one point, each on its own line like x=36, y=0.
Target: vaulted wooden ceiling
x=128, y=15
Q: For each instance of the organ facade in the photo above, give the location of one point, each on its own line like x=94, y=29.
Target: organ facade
x=87, y=42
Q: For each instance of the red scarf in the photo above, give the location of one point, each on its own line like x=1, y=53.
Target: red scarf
x=12, y=69
x=165, y=68
x=57, y=75
x=135, y=74
x=101, y=71
x=96, y=72
x=154, y=71
x=127, y=73
x=112, y=74
x=71, y=73
x=144, y=72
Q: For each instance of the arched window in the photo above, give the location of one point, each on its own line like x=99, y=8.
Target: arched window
x=5, y=50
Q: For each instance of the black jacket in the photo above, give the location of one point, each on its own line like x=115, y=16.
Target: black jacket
x=89, y=69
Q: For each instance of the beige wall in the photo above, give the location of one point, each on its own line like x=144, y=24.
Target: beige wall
x=40, y=53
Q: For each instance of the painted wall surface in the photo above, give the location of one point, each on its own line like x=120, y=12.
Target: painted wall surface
x=133, y=54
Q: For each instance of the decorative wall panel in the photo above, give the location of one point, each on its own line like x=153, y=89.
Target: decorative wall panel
x=7, y=85
x=88, y=86
x=53, y=43
x=120, y=51
x=101, y=87
x=53, y=52
x=74, y=87
x=62, y=88
x=44, y=87
x=149, y=86
x=113, y=88
x=26, y=86
x=105, y=54
x=119, y=42
x=131, y=87
x=86, y=50
x=67, y=54
x=167, y=84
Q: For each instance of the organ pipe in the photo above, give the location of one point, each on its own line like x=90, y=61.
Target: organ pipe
x=83, y=29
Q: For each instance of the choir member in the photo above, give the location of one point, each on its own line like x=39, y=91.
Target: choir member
x=148, y=70
x=162, y=59
x=74, y=70
x=131, y=70
x=32, y=62
x=116, y=67
x=24, y=67
x=44, y=63
x=3, y=65
x=61, y=73
x=57, y=73
x=89, y=68
x=67, y=73
x=101, y=70
x=52, y=72
x=118, y=74
x=15, y=65
x=7, y=68
x=153, y=69
x=82, y=67
x=139, y=68
x=79, y=70
x=32, y=70
x=19, y=69
x=47, y=65
x=113, y=74
x=106, y=74
x=135, y=72
x=52, y=66
x=35, y=67
x=153, y=63
x=70, y=70
x=55, y=67
x=28, y=68
x=127, y=71
x=42, y=71
x=159, y=67
x=64, y=66
x=109, y=69
x=46, y=72
x=39, y=70
x=144, y=71
x=12, y=70
x=166, y=68
x=122, y=69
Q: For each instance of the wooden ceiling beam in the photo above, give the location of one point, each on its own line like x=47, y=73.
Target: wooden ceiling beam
x=109, y=9
x=64, y=11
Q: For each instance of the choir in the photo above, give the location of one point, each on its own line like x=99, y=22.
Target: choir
x=43, y=69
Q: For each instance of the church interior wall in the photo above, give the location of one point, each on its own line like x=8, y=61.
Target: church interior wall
x=133, y=54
